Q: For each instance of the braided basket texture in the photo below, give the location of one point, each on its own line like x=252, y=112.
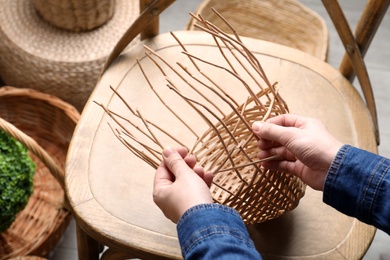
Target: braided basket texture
x=45, y=125
x=67, y=64
x=240, y=182
x=286, y=22
x=75, y=15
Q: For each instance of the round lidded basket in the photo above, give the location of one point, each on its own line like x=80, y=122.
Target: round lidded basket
x=63, y=63
x=210, y=110
x=286, y=22
x=44, y=124
x=75, y=15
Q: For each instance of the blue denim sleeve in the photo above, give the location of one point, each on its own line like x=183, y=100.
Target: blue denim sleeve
x=213, y=231
x=358, y=185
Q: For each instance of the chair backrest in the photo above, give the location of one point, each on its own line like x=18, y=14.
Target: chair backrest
x=147, y=24
x=356, y=45
x=286, y=22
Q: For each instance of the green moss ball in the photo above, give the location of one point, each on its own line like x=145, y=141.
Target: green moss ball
x=16, y=179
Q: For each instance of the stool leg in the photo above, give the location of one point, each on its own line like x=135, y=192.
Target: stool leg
x=87, y=247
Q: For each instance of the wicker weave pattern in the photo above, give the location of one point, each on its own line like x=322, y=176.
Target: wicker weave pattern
x=212, y=117
x=258, y=194
x=50, y=122
x=286, y=22
x=36, y=55
x=75, y=15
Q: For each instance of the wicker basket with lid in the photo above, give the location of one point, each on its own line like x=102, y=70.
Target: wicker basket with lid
x=62, y=62
x=76, y=15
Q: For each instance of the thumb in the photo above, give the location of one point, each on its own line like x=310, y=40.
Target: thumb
x=174, y=161
x=269, y=131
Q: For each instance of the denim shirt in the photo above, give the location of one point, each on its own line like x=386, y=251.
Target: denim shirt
x=357, y=184
x=213, y=231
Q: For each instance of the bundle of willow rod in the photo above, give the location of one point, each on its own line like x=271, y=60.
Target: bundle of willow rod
x=228, y=147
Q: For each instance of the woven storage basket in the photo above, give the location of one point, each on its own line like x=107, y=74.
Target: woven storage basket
x=286, y=22
x=75, y=15
x=211, y=113
x=45, y=125
x=34, y=54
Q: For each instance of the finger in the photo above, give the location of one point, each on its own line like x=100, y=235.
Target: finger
x=282, y=166
x=163, y=175
x=199, y=170
x=286, y=120
x=281, y=152
x=272, y=132
x=190, y=160
x=208, y=178
x=182, y=151
x=174, y=161
x=266, y=144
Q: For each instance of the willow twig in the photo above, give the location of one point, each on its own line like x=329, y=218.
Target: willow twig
x=227, y=146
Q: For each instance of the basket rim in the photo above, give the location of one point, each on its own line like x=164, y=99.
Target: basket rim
x=48, y=235
x=69, y=109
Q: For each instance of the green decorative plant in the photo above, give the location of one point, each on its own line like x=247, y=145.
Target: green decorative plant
x=16, y=179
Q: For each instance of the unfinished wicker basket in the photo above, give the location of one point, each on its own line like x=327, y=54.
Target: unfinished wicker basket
x=286, y=22
x=44, y=124
x=214, y=116
x=75, y=15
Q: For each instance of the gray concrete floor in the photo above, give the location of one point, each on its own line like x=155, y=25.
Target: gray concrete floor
x=378, y=63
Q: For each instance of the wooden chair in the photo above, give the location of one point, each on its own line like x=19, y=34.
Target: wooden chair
x=286, y=22
x=110, y=189
x=356, y=45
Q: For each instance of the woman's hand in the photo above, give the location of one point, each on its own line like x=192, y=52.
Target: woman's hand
x=179, y=184
x=303, y=145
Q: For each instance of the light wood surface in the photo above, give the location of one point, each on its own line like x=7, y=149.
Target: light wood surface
x=110, y=189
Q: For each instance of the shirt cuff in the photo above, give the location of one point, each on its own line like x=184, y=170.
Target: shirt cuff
x=356, y=183
x=202, y=222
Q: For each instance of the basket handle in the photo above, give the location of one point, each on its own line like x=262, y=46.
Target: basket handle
x=35, y=148
x=146, y=18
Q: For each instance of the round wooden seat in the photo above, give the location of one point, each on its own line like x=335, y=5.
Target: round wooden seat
x=110, y=189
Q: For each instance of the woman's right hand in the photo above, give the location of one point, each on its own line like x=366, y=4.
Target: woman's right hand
x=303, y=145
